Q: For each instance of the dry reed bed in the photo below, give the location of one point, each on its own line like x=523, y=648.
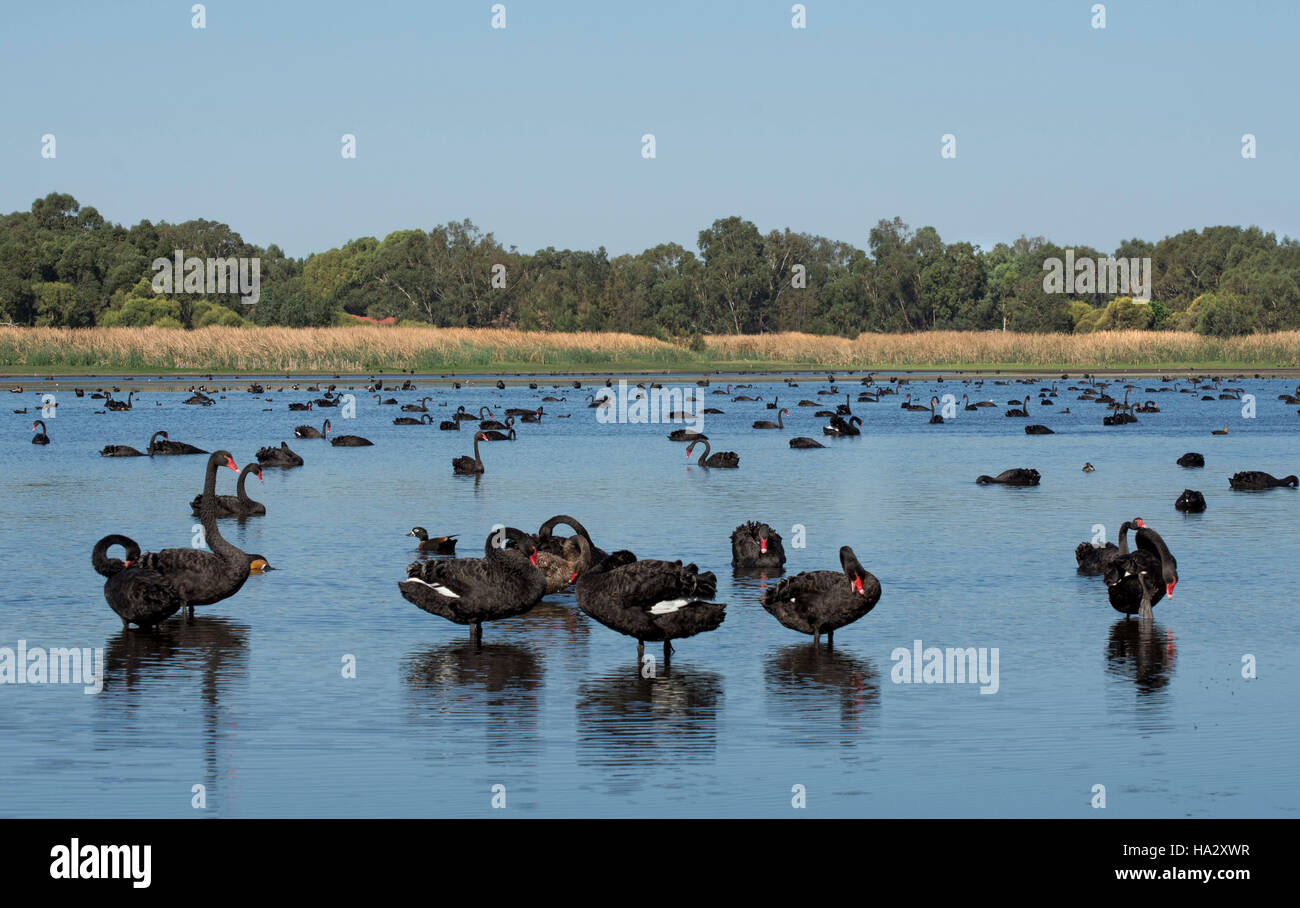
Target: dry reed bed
x=368, y=348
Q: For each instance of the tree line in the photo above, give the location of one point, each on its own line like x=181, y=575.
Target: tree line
x=65, y=265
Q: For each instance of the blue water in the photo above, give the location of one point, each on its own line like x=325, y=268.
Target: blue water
x=248, y=698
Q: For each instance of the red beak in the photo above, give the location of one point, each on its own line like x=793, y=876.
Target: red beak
x=857, y=585
x=533, y=558
x=230, y=462
x=573, y=576
x=762, y=546
x=1169, y=590
x=127, y=563
x=1140, y=523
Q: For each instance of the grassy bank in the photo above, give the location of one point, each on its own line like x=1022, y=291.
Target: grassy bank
x=368, y=349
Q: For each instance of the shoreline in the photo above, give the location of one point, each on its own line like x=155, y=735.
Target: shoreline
x=592, y=380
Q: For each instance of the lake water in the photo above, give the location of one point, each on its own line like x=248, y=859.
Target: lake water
x=248, y=699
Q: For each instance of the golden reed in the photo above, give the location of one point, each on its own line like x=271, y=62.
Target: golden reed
x=367, y=348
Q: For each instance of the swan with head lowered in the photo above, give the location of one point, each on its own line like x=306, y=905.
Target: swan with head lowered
x=282, y=456
x=204, y=576
x=504, y=583
x=650, y=600
x=1093, y=558
x=138, y=594
x=1137, y=581
x=167, y=446
x=1015, y=477
x=756, y=545
x=1255, y=481
x=824, y=601
x=239, y=504
x=578, y=550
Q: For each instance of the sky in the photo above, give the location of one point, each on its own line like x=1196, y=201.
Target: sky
x=1082, y=135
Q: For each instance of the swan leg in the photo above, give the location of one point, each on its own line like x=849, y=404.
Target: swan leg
x=668, y=651
x=830, y=638
x=817, y=636
x=640, y=650
x=476, y=633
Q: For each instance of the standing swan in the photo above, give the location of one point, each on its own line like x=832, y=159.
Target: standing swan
x=137, y=593
x=650, y=600
x=504, y=583
x=1136, y=582
x=817, y=601
x=202, y=577
x=469, y=466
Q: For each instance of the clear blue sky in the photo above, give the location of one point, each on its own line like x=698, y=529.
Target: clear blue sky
x=1081, y=135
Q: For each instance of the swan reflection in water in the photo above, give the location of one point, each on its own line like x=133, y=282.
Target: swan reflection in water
x=1142, y=652
x=807, y=683
x=493, y=686
x=149, y=679
x=625, y=721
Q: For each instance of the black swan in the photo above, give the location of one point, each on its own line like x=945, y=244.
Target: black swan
x=768, y=424
x=310, y=432
x=441, y=545
x=279, y=457
x=1094, y=559
x=578, y=550
x=935, y=418
x=298, y=406
x=504, y=583
x=728, y=460
x=1191, y=502
x=493, y=435
x=1038, y=430
x=350, y=441
x=120, y=451
x=468, y=466
x=803, y=441
x=449, y=425
x=840, y=427
x=239, y=504
x=817, y=601
x=686, y=435
x=1021, y=411
x=650, y=600
x=497, y=424
x=119, y=406
x=167, y=446
x=425, y=420
x=1137, y=581
x=40, y=438
x=1016, y=477
x=202, y=577
x=420, y=407
x=756, y=545
x=1254, y=481
x=137, y=593
x=1191, y=459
